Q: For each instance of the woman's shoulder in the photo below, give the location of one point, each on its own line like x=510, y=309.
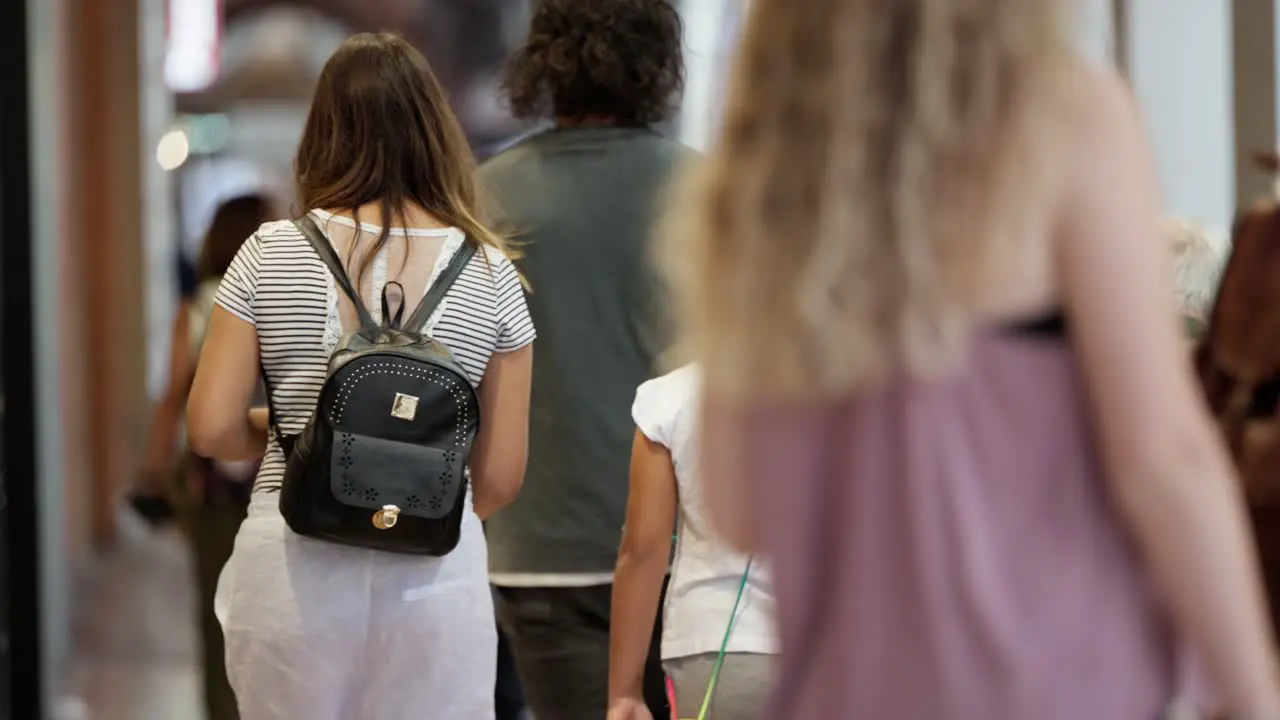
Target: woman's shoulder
x=278, y=244
x=497, y=258
x=498, y=266
x=1096, y=105
x=278, y=230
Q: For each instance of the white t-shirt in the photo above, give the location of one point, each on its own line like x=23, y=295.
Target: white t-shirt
x=706, y=574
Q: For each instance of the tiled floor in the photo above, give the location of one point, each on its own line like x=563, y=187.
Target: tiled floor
x=136, y=658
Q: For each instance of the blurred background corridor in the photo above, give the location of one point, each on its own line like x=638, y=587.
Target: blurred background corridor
x=125, y=123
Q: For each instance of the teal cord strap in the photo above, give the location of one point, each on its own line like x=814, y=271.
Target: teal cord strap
x=724, y=644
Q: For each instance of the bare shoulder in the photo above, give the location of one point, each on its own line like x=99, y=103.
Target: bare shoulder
x=1099, y=112
x=1104, y=157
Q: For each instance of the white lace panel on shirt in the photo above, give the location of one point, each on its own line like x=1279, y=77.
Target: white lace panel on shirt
x=412, y=257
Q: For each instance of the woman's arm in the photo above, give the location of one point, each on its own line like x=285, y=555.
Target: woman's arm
x=642, y=563
x=502, y=446
x=1168, y=471
x=226, y=379
x=167, y=415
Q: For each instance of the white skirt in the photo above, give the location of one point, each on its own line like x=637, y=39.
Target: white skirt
x=319, y=631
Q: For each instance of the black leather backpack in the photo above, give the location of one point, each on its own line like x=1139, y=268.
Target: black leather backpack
x=382, y=462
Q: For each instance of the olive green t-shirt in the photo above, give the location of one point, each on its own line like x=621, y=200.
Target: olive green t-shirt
x=581, y=204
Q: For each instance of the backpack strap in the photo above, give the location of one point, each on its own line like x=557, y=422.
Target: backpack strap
x=324, y=249
x=287, y=442
x=433, y=297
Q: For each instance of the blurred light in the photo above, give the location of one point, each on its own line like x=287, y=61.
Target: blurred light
x=173, y=150
x=194, y=47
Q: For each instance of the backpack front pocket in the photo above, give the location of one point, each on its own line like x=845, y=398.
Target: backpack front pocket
x=376, y=474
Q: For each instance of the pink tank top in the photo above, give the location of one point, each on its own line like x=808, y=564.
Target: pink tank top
x=948, y=550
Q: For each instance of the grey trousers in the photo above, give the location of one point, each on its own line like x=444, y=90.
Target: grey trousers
x=741, y=692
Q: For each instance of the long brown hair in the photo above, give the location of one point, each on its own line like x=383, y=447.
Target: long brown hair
x=877, y=159
x=381, y=130
x=233, y=222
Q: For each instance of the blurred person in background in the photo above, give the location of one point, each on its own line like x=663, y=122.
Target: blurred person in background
x=320, y=630
x=1239, y=367
x=579, y=198
x=1197, y=269
x=213, y=494
x=945, y=393
x=718, y=642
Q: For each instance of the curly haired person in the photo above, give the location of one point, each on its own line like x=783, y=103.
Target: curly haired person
x=578, y=199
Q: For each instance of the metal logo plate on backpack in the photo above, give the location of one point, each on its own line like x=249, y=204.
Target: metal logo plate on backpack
x=404, y=407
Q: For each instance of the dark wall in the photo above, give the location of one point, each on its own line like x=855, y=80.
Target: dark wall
x=20, y=685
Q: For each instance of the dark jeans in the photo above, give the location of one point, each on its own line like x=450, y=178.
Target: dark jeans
x=212, y=519
x=560, y=640
x=213, y=533
x=508, y=700
x=1266, y=536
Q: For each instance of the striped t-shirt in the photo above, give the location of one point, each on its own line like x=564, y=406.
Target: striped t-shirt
x=279, y=284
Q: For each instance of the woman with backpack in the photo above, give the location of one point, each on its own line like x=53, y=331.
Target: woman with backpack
x=358, y=585
x=946, y=392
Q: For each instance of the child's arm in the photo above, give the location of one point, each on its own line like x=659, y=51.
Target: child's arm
x=642, y=565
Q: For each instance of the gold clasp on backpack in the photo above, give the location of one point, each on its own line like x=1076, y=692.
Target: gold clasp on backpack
x=386, y=518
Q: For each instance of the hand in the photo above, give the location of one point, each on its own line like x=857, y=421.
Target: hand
x=628, y=709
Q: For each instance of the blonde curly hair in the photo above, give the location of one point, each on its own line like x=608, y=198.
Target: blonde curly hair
x=1198, y=259
x=877, y=159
